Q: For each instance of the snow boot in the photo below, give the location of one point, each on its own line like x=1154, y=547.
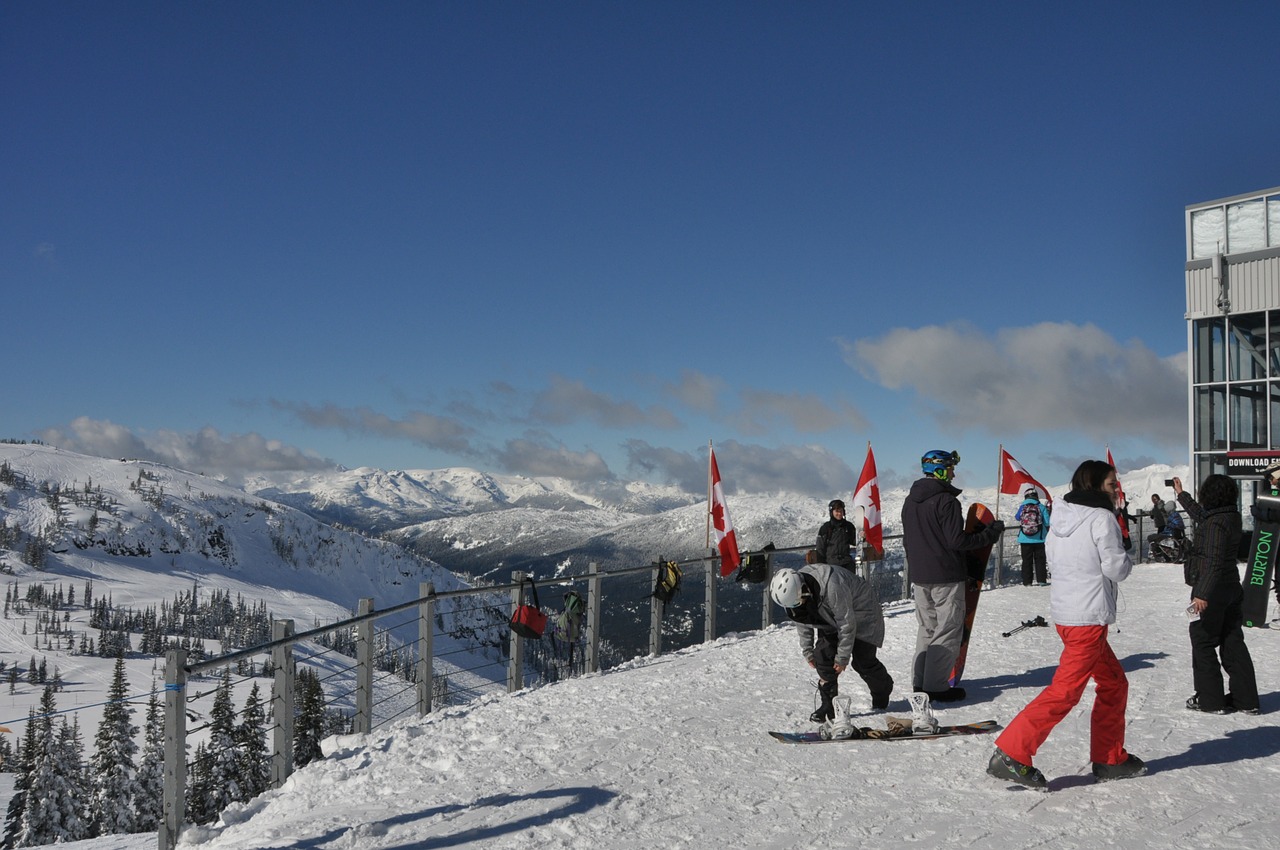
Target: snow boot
x=1194, y=704
x=827, y=691
x=1132, y=766
x=1008, y=769
x=949, y=695
x=922, y=720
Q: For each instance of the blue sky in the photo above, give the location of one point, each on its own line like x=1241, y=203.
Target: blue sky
x=583, y=239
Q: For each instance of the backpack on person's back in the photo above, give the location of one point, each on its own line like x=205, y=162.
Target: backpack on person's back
x=1030, y=519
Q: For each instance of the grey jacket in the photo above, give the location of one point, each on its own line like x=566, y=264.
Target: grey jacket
x=848, y=606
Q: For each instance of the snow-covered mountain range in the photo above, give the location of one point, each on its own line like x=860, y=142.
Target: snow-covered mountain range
x=484, y=526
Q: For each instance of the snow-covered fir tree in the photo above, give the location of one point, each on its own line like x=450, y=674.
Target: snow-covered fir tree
x=77, y=789
x=215, y=777
x=113, y=771
x=309, y=725
x=149, y=796
x=251, y=736
x=27, y=749
x=57, y=793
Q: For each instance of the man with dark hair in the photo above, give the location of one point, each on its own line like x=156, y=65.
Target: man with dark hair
x=1217, y=633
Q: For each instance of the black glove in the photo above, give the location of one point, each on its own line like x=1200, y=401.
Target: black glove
x=1128, y=544
x=998, y=527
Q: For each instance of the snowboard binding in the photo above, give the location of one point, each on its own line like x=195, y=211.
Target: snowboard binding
x=922, y=720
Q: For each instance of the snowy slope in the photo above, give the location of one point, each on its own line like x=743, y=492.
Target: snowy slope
x=672, y=752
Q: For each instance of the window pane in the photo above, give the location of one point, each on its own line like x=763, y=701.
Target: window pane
x=1210, y=351
x=1208, y=232
x=1247, y=347
x=1246, y=226
x=1249, y=416
x=1207, y=465
x=1273, y=220
x=1273, y=345
x=1275, y=416
x=1211, y=422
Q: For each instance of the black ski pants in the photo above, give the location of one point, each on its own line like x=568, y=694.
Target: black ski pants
x=1219, y=633
x=864, y=662
x=1034, y=563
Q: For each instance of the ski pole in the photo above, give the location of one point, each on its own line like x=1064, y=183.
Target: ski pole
x=1026, y=624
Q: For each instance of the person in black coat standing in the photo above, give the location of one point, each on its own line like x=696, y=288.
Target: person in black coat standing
x=836, y=538
x=935, y=541
x=1217, y=633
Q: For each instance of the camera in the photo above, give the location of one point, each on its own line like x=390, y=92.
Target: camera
x=1168, y=482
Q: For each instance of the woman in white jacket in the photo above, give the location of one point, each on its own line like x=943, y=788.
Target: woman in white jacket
x=1086, y=555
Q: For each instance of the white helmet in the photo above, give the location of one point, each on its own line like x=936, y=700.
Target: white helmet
x=786, y=588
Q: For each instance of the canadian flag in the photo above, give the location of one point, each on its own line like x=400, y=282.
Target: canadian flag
x=726, y=540
x=867, y=497
x=1120, y=507
x=1015, y=480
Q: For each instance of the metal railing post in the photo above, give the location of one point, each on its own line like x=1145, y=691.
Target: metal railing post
x=282, y=702
x=175, y=749
x=656, y=608
x=595, y=601
x=515, y=661
x=999, y=562
x=364, y=669
x=709, y=630
x=426, y=643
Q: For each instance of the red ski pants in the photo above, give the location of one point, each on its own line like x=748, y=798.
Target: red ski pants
x=1085, y=655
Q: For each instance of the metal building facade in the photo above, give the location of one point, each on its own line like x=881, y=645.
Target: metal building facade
x=1233, y=335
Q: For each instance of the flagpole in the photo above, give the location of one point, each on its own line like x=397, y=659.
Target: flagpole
x=709, y=456
x=999, y=478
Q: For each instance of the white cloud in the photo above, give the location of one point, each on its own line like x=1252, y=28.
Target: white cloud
x=1053, y=376
x=206, y=451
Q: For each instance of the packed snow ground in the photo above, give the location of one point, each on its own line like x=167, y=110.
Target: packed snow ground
x=671, y=751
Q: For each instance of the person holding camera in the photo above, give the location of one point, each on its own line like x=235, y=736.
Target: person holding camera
x=1217, y=624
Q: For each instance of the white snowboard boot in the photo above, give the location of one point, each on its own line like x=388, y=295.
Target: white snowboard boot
x=922, y=720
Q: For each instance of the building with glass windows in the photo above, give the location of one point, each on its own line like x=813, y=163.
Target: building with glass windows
x=1233, y=329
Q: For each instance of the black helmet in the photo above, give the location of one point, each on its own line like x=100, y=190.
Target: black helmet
x=833, y=504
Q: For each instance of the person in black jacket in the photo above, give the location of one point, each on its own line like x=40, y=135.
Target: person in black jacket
x=935, y=541
x=836, y=538
x=1216, y=630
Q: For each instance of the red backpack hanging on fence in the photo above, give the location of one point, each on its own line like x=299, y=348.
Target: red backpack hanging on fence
x=528, y=620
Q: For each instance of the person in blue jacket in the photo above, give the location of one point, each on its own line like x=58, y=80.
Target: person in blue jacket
x=1033, y=526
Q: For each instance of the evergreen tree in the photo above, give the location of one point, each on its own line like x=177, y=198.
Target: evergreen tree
x=149, y=795
x=42, y=813
x=220, y=765
x=309, y=725
x=74, y=788
x=114, y=776
x=30, y=745
x=251, y=737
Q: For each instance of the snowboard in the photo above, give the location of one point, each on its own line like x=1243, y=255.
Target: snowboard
x=1260, y=567
x=978, y=518
x=943, y=732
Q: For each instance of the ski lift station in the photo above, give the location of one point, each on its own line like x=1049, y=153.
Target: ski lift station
x=1233, y=337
